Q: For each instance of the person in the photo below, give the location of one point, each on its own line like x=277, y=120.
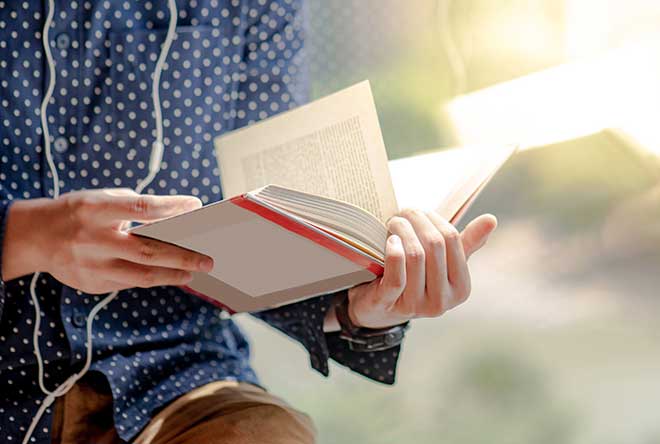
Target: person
x=166, y=367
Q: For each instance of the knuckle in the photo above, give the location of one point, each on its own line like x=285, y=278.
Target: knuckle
x=435, y=312
x=463, y=294
x=417, y=213
x=436, y=243
x=148, y=278
x=190, y=259
x=434, y=308
x=181, y=277
x=451, y=234
x=189, y=262
x=395, y=222
x=406, y=312
x=415, y=255
x=463, y=298
x=147, y=252
x=80, y=206
x=141, y=206
x=405, y=309
x=411, y=213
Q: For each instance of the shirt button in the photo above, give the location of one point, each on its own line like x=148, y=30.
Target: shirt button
x=63, y=41
x=79, y=319
x=61, y=145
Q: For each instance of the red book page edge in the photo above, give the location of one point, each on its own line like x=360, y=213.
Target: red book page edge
x=309, y=233
x=208, y=299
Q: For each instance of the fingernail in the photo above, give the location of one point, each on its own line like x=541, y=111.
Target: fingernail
x=394, y=239
x=193, y=203
x=206, y=264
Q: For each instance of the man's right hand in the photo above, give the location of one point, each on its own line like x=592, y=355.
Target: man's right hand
x=79, y=240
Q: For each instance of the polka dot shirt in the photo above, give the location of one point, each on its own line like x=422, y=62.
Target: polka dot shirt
x=232, y=63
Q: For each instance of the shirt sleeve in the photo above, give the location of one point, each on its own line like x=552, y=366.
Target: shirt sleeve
x=4, y=209
x=303, y=321
x=274, y=78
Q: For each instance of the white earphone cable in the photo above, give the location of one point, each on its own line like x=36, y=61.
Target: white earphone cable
x=158, y=146
x=56, y=181
x=155, y=161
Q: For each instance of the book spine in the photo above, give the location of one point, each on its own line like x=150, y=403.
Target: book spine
x=310, y=233
x=208, y=299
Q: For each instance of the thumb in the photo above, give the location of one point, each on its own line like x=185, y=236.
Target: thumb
x=476, y=233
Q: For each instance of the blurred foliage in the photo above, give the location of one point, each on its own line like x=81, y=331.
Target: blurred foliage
x=403, y=52
x=408, y=112
x=507, y=397
x=395, y=48
x=570, y=187
x=502, y=40
x=592, y=378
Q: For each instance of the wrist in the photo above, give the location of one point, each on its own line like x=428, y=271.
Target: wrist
x=27, y=243
x=330, y=323
x=366, y=339
x=352, y=315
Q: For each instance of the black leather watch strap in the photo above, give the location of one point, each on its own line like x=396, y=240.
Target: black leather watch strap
x=362, y=339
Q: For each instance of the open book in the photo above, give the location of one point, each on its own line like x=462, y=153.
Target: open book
x=309, y=192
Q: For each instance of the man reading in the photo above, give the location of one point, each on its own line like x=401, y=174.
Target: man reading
x=166, y=366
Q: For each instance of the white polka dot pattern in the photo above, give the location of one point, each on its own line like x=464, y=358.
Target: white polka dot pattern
x=233, y=63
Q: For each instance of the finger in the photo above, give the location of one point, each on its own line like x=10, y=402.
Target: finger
x=144, y=276
x=393, y=281
x=142, y=250
x=121, y=206
x=434, y=244
x=415, y=265
x=458, y=273
x=476, y=233
x=456, y=265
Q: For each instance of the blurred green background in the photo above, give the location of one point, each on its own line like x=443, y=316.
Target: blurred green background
x=560, y=340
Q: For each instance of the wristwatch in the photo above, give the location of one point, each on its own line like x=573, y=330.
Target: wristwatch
x=361, y=339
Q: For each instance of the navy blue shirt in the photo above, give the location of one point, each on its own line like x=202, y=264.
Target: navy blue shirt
x=232, y=63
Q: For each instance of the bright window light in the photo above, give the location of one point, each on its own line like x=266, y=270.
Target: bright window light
x=615, y=90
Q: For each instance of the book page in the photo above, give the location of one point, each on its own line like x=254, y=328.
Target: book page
x=425, y=181
x=332, y=147
x=446, y=181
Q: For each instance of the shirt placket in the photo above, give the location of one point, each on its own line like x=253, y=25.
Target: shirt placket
x=63, y=106
x=63, y=125
x=74, y=309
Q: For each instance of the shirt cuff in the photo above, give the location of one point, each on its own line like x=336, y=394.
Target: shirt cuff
x=4, y=211
x=378, y=365
x=303, y=321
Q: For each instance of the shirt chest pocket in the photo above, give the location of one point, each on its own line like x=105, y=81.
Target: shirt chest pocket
x=198, y=87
